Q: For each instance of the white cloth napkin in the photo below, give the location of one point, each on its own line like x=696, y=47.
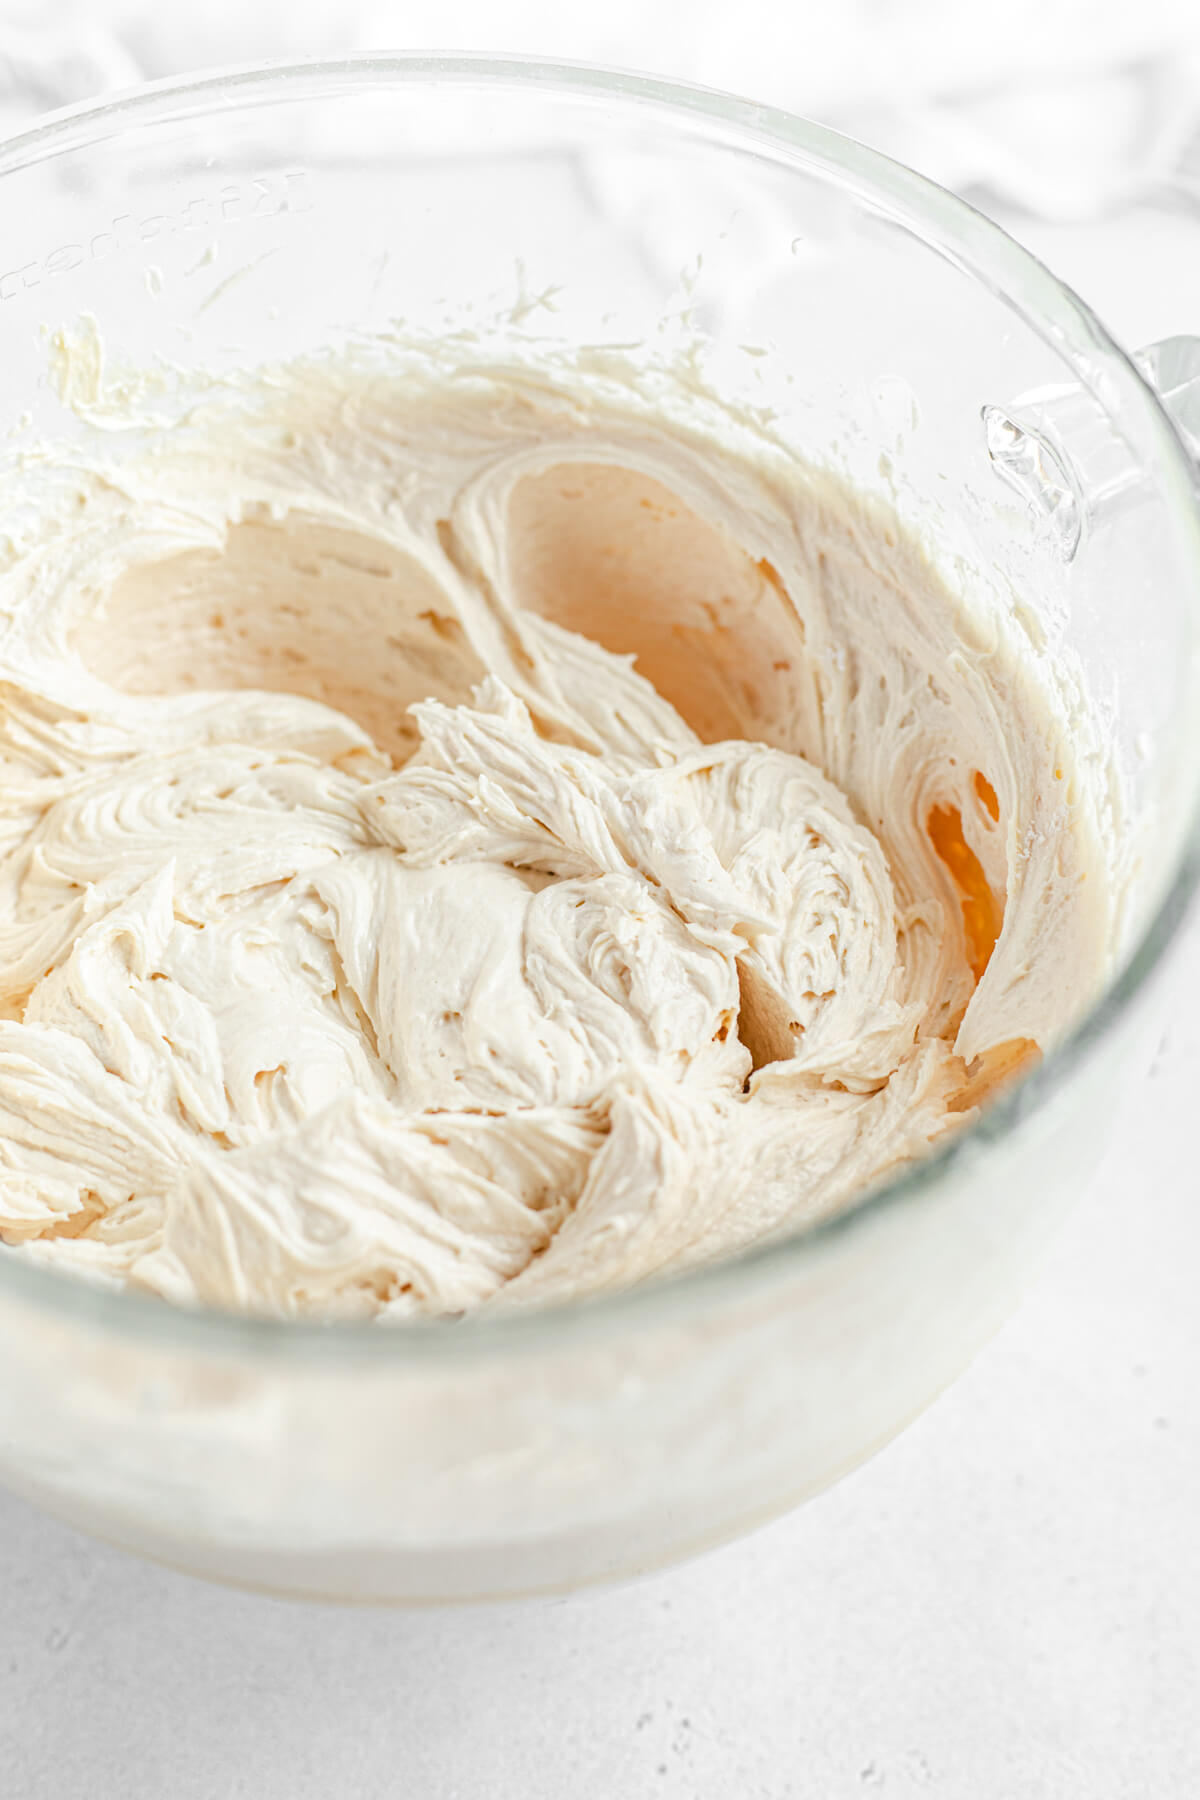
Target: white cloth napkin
x=1057, y=108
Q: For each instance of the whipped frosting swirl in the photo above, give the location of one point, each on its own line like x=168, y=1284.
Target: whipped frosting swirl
x=466, y=843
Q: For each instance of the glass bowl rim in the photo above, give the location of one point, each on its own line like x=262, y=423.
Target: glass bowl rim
x=947, y=225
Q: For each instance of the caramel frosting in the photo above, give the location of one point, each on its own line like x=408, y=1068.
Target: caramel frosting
x=470, y=841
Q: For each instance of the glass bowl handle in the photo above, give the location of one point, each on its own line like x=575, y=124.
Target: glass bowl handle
x=1058, y=451
x=1172, y=366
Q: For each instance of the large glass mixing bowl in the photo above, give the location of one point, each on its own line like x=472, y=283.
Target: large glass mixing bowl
x=895, y=336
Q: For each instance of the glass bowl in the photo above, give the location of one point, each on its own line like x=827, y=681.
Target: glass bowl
x=910, y=346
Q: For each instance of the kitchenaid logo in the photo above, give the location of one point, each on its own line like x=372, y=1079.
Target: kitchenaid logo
x=255, y=197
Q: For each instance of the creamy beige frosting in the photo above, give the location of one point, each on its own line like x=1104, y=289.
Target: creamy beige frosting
x=468, y=840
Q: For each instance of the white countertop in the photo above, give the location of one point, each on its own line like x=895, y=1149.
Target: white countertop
x=1004, y=1605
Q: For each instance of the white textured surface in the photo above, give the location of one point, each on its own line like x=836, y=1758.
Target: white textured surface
x=1006, y=1603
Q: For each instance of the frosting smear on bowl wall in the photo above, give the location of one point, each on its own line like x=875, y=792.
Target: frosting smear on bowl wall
x=469, y=842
